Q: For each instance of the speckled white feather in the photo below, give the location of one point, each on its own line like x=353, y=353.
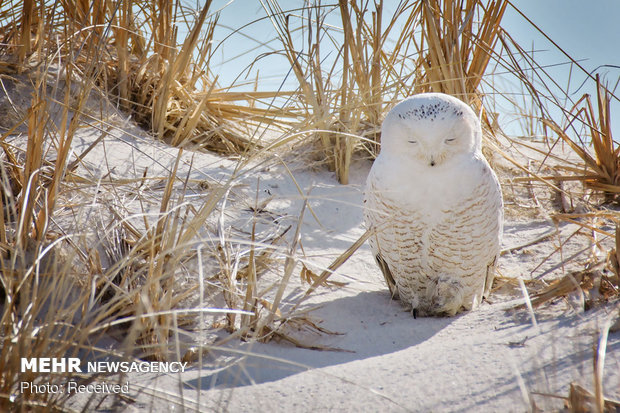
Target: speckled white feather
x=436, y=204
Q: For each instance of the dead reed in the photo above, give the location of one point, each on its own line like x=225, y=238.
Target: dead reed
x=603, y=167
x=42, y=306
x=441, y=46
x=165, y=85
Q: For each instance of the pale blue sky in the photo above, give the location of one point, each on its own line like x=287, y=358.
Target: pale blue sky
x=585, y=29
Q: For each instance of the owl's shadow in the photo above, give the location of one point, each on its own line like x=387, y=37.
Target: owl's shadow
x=371, y=324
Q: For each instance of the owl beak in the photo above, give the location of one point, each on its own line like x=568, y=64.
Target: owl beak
x=432, y=162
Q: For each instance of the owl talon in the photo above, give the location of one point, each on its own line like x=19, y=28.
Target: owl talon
x=414, y=313
x=446, y=296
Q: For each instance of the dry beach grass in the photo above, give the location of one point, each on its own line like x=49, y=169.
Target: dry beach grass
x=155, y=252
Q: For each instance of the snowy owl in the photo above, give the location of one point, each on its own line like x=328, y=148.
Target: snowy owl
x=436, y=206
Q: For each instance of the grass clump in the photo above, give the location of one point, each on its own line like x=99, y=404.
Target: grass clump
x=351, y=74
x=165, y=85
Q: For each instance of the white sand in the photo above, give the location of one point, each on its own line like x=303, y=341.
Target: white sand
x=485, y=360
x=490, y=359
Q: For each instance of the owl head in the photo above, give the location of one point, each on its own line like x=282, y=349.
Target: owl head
x=431, y=128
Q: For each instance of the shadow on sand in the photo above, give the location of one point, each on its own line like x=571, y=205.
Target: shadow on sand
x=371, y=325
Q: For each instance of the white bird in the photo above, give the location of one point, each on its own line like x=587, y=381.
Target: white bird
x=436, y=205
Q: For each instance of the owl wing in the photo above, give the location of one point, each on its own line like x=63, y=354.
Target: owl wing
x=385, y=244
x=466, y=242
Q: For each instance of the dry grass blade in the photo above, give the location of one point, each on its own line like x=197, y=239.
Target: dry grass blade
x=605, y=163
x=561, y=288
x=135, y=293
x=310, y=277
x=289, y=265
x=599, y=366
x=177, y=67
x=458, y=51
x=341, y=259
x=581, y=400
